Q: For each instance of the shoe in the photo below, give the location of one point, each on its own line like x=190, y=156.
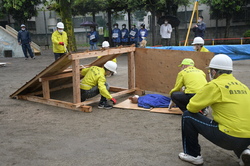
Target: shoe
x=194, y=160
x=26, y=58
x=245, y=158
x=204, y=111
x=105, y=105
x=33, y=58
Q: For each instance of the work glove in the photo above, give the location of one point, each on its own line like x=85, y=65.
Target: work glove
x=113, y=100
x=61, y=43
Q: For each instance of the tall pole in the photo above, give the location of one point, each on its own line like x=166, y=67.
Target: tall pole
x=191, y=20
x=45, y=25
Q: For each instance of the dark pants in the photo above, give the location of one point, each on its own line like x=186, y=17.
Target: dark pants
x=181, y=99
x=58, y=55
x=195, y=123
x=165, y=41
x=26, y=47
x=86, y=94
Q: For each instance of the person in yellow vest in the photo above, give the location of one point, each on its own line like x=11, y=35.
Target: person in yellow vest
x=94, y=83
x=230, y=101
x=106, y=32
x=105, y=46
x=192, y=79
x=198, y=45
x=60, y=41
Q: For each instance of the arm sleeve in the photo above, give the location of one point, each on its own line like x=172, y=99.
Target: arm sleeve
x=28, y=37
x=84, y=71
x=208, y=95
x=202, y=27
x=170, y=28
x=161, y=30
x=19, y=37
x=102, y=88
x=54, y=39
x=178, y=84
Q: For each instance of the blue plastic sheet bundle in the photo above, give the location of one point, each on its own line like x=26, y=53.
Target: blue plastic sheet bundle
x=236, y=52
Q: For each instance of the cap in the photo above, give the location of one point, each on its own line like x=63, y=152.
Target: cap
x=23, y=25
x=186, y=61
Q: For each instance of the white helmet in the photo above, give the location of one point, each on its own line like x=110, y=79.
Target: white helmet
x=111, y=66
x=222, y=62
x=198, y=40
x=60, y=25
x=105, y=44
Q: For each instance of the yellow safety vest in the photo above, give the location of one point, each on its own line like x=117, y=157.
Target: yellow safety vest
x=59, y=37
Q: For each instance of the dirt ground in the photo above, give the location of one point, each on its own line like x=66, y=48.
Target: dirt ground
x=34, y=134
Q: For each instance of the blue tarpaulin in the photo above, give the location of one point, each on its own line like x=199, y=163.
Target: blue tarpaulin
x=236, y=52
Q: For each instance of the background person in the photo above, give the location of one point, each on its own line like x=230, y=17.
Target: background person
x=106, y=32
x=93, y=38
x=165, y=32
x=124, y=37
x=94, y=83
x=198, y=45
x=192, y=79
x=116, y=35
x=105, y=46
x=230, y=101
x=60, y=41
x=199, y=28
x=23, y=38
x=133, y=35
x=143, y=33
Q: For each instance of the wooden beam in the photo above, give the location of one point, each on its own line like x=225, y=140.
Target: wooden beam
x=76, y=81
x=55, y=77
x=46, y=92
x=110, y=51
x=57, y=103
x=131, y=70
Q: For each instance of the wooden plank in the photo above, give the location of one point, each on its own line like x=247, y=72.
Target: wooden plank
x=167, y=111
x=63, y=75
x=110, y=51
x=131, y=70
x=76, y=81
x=57, y=103
x=126, y=104
x=116, y=89
x=46, y=92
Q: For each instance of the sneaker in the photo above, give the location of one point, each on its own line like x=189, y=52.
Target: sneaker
x=33, y=58
x=194, y=160
x=105, y=105
x=245, y=158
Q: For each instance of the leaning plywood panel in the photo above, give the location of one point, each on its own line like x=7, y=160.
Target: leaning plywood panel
x=156, y=69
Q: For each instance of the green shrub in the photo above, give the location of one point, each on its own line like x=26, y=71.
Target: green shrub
x=247, y=34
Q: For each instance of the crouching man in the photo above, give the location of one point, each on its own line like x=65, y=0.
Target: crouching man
x=94, y=83
x=230, y=102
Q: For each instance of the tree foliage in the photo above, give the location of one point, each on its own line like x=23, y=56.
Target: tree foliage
x=20, y=10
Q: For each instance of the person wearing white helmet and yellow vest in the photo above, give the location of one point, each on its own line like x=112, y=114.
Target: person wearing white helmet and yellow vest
x=105, y=46
x=94, y=83
x=60, y=41
x=192, y=79
x=198, y=45
x=230, y=101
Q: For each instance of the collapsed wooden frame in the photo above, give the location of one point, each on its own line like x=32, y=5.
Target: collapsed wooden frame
x=148, y=70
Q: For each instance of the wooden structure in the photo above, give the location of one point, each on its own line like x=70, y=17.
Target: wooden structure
x=148, y=70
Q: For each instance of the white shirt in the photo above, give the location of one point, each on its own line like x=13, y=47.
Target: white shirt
x=165, y=31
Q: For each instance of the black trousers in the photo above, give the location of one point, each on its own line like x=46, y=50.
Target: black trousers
x=181, y=99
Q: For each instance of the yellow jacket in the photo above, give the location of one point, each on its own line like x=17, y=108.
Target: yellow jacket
x=58, y=37
x=192, y=78
x=203, y=49
x=95, y=76
x=230, y=101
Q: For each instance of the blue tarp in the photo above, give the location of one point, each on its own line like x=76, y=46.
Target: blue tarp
x=236, y=52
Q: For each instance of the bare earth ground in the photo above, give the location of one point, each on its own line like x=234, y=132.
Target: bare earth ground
x=34, y=134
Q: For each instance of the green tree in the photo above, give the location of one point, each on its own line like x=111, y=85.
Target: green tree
x=21, y=10
x=224, y=9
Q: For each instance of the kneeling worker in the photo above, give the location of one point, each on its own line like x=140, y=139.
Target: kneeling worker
x=192, y=79
x=198, y=45
x=94, y=83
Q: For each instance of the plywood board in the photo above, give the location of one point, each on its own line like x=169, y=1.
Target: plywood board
x=156, y=69
x=126, y=104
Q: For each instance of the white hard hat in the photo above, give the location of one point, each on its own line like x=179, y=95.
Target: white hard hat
x=105, y=44
x=222, y=62
x=111, y=66
x=23, y=25
x=60, y=25
x=198, y=40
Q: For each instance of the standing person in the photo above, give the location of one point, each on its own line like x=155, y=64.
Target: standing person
x=143, y=33
x=124, y=32
x=60, y=41
x=165, y=32
x=116, y=35
x=133, y=35
x=192, y=79
x=199, y=28
x=93, y=38
x=106, y=32
x=198, y=45
x=23, y=38
x=230, y=101
x=94, y=83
